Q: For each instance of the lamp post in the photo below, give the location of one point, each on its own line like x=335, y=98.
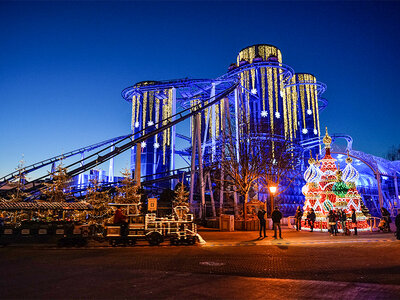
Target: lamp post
x=272, y=190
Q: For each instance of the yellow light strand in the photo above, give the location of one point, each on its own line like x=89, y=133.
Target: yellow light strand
x=294, y=101
x=157, y=117
x=317, y=112
x=170, y=96
x=217, y=120
x=270, y=98
x=133, y=111
x=285, y=117
x=289, y=109
x=313, y=90
x=263, y=87
x=144, y=109
x=151, y=104
x=276, y=89
x=137, y=108
x=303, y=108
x=308, y=91
x=253, y=78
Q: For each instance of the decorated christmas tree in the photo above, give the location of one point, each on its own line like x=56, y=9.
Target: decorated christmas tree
x=99, y=200
x=328, y=188
x=19, y=190
x=128, y=192
x=57, y=189
x=180, y=203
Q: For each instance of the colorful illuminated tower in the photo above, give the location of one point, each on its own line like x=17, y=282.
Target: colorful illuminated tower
x=325, y=190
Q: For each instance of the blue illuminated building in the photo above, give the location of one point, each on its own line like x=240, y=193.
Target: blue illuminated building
x=278, y=102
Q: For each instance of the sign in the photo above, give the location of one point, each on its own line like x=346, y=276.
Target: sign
x=152, y=204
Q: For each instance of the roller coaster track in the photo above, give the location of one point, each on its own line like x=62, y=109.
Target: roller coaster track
x=46, y=162
x=131, y=140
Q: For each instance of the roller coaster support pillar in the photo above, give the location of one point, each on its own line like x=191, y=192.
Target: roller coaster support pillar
x=80, y=178
x=225, y=105
x=396, y=189
x=193, y=162
x=378, y=180
x=173, y=137
x=237, y=121
x=202, y=186
x=208, y=178
x=138, y=161
x=213, y=125
x=111, y=168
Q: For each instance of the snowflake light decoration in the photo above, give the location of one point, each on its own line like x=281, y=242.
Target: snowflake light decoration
x=143, y=144
x=304, y=131
x=264, y=114
x=254, y=91
x=277, y=115
x=137, y=124
x=309, y=112
x=150, y=123
x=156, y=145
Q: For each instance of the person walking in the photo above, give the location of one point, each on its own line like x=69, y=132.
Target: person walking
x=354, y=220
x=343, y=219
x=311, y=219
x=261, y=217
x=276, y=219
x=297, y=217
x=332, y=221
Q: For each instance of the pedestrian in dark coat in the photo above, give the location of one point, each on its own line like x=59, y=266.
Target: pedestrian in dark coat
x=354, y=220
x=261, y=217
x=332, y=221
x=311, y=219
x=276, y=219
x=298, y=217
x=386, y=216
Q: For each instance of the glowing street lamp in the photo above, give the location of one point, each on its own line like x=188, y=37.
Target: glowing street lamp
x=272, y=190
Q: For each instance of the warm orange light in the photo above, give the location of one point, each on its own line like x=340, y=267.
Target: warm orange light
x=272, y=189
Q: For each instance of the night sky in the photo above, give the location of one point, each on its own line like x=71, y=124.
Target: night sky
x=63, y=65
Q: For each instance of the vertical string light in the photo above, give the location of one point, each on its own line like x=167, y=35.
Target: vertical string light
x=294, y=101
x=133, y=111
x=270, y=98
x=313, y=103
x=170, y=96
x=164, y=122
x=288, y=96
x=307, y=85
x=317, y=113
x=285, y=117
x=276, y=90
x=144, y=108
x=217, y=120
x=137, y=110
x=151, y=104
x=303, y=106
x=263, y=87
x=157, y=113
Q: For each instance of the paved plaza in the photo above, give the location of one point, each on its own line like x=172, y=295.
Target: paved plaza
x=234, y=265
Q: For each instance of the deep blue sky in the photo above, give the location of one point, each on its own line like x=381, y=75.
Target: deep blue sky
x=64, y=64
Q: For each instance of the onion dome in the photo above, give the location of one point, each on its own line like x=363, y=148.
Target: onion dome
x=327, y=139
x=232, y=67
x=257, y=59
x=312, y=174
x=243, y=62
x=350, y=174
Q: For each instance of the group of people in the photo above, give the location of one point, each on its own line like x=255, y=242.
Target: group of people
x=276, y=221
x=333, y=218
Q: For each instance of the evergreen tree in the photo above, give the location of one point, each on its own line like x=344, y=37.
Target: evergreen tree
x=56, y=189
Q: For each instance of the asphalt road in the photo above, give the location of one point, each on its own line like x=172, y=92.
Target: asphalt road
x=230, y=265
